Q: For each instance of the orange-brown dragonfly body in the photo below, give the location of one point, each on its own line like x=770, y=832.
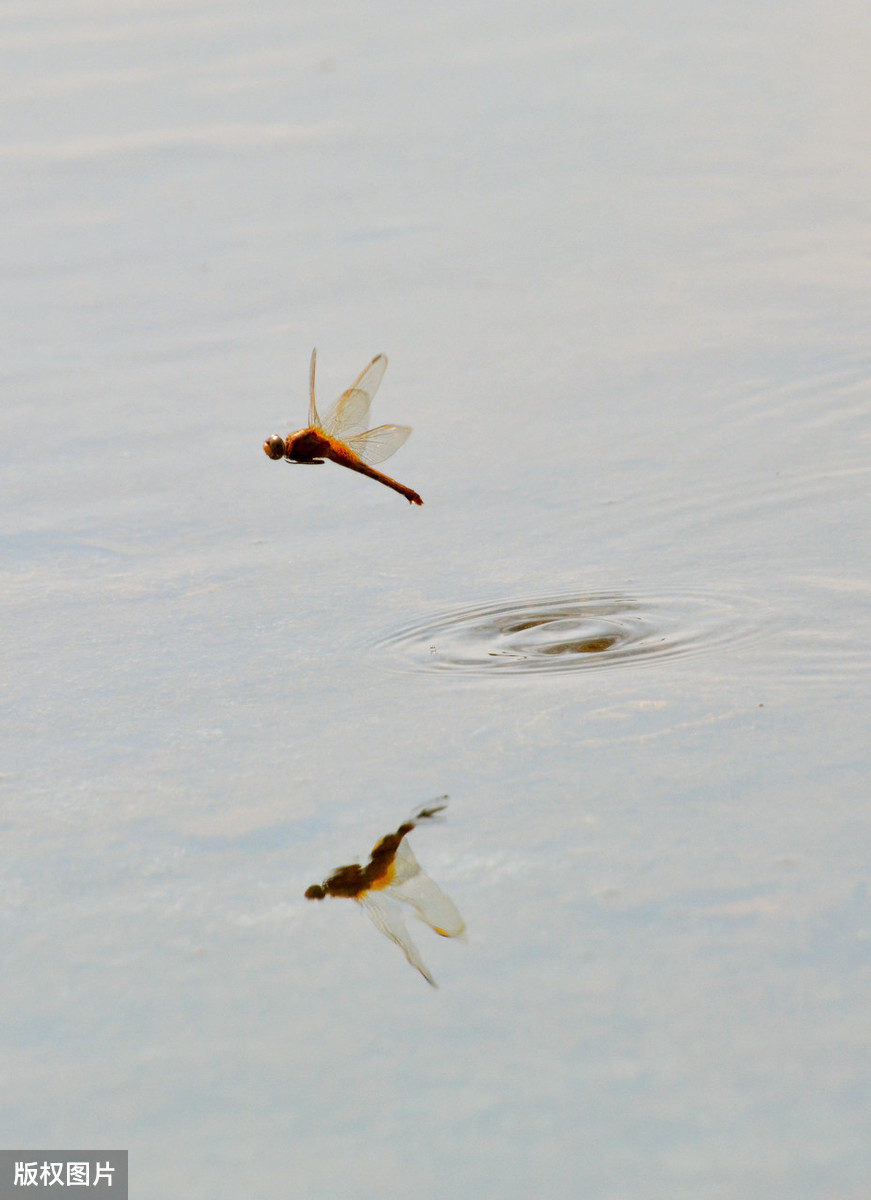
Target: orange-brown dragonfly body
x=393, y=871
x=340, y=436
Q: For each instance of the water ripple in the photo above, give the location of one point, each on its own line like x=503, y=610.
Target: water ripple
x=593, y=630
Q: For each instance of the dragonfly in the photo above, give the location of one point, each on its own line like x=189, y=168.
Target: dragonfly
x=341, y=434
x=393, y=873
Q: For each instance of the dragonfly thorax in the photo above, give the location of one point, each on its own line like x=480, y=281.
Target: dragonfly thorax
x=306, y=445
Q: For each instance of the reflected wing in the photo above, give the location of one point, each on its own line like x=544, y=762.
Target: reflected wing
x=348, y=416
x=404, y=865
x=375, y=445
x=388, y=918
x=415, y=887
x=432, y=905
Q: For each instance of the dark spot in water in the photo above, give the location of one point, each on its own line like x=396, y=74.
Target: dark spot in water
x=591, y=646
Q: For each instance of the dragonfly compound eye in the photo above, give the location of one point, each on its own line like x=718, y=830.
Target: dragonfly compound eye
x=274, y=446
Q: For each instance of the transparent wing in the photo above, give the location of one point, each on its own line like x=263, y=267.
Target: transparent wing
x=388, y=918
x=348, y=416
x=404, y=864
x=370, y=377
x=313, y=418
x=350, y=413
x=431, y=904
x=414, y=887
x=375, y=445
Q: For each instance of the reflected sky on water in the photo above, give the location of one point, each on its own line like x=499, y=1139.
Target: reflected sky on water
x=618, y=259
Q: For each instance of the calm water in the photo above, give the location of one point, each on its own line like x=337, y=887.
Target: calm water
x=618, y=257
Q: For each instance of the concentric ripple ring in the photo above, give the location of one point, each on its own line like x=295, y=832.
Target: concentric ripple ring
x=570, y=632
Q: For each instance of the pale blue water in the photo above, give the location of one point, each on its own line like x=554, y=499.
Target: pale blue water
x=618, y=260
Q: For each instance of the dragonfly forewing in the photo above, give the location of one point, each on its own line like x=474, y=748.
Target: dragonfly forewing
x=313, y=418
x=348, y=416
x=349, y=413
x=369, y=379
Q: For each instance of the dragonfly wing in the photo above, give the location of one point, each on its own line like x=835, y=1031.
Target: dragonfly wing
x=430, y=902
x=313, y=418
x=414, y=887
x=388, y=918
x=369, y=379
x=348, y=415
x=405, y=865
x=375, y=445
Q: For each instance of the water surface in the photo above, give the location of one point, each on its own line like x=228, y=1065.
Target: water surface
x=618, y=260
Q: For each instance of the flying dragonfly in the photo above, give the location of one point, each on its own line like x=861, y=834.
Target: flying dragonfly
x=393, y=871
x=341, y=435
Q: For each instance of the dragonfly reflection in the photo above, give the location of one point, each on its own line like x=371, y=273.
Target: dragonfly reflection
x=341, y=435
x=393, y=871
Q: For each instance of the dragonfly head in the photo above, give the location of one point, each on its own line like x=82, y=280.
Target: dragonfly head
x=315, y=892
x=274, y=446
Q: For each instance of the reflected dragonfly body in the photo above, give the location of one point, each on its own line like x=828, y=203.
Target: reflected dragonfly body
x=341, y=435
x=394, y=872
